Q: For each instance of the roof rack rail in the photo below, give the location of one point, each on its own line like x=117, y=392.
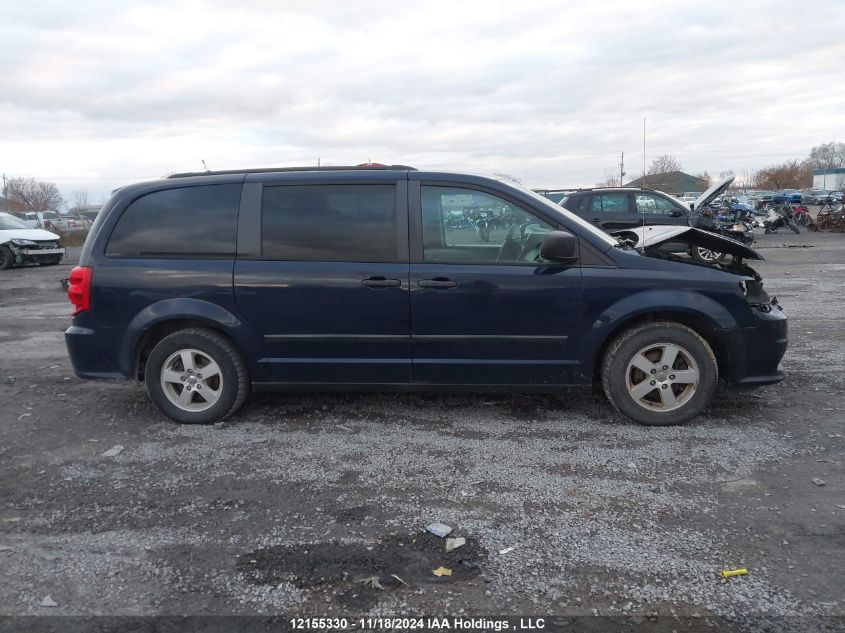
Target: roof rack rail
x=267, y=170
x=611, y=188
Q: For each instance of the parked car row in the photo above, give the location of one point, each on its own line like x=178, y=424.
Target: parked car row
x=811, y=196
x=56, y=222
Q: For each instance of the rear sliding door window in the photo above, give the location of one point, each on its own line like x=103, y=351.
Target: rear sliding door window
x=330, y=223
x=182, y=222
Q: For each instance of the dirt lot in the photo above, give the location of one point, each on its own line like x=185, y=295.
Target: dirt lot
x=292, y=503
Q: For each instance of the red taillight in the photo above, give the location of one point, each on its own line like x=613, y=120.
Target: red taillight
x=79, y=288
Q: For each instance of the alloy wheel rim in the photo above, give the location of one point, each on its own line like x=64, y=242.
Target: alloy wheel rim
x=662, y=377
x=191, y=380
x=708, y=255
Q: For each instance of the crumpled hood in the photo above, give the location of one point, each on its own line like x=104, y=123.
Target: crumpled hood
x=38, y=235
x=651, y=236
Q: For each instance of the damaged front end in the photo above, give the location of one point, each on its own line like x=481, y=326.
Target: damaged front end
x=749, y=356
x=673, y=242
x=26, y=251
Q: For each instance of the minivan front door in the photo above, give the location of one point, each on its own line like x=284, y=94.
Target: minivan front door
x=329, y=292
x=484, y=311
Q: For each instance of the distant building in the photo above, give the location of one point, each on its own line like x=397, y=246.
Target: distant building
x=674, y=182
x=833, y=178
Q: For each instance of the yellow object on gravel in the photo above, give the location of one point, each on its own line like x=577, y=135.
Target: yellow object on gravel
x=730, y=573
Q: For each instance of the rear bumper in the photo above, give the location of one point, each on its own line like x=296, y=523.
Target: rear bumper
x=750, y=356
x=94, y=353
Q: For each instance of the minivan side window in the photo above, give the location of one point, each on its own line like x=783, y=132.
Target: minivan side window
x=330, y=223
x=463, y=226
x=179, y=222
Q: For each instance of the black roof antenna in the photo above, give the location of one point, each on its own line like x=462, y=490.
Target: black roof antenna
x=204, y=165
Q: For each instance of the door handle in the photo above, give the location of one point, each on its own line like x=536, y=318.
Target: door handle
x=440, y=284
x=596, y=220
x=380, y=282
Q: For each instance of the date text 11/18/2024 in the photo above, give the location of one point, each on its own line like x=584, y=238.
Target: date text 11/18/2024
x=477, y=625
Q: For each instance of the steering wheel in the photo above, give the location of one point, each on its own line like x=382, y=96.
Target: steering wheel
x=508, y=240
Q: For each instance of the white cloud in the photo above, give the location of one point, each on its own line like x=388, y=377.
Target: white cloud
x=98, y=94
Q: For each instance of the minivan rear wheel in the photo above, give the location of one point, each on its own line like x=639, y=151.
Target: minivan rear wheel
x=660, y=374
x=196, y=376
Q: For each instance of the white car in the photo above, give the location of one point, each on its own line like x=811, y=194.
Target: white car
x=20, y=244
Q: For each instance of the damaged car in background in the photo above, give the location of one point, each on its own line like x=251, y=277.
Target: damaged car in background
x=21, y=245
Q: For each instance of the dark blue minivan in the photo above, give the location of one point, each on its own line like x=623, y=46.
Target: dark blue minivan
x=205, y=286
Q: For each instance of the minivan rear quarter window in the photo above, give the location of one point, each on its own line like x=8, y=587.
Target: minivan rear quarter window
x=354, y=223
x=185, y=221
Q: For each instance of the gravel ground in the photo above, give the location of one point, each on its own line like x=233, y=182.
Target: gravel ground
x=293, y=502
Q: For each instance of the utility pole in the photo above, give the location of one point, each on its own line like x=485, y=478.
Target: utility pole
x=622, y=169
x=4, y=184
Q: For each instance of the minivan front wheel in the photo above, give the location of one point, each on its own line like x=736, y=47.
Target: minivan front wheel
x=196, y=376
x=660, y=373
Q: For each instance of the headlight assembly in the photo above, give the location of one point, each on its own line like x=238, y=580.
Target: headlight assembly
x=23, y=242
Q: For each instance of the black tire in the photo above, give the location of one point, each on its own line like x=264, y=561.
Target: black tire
x=7, y=259
x=628, y=345
x=234, y=380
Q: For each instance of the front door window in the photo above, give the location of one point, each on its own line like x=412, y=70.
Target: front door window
x=465, y=226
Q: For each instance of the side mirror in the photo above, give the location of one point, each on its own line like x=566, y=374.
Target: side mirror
x=692, y=206
x=559, y=246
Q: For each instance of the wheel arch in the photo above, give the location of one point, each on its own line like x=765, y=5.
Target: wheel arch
x=700, y=313
x=165, y=317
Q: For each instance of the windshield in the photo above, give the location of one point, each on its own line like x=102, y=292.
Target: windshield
x=558, y=210
x=10, y=222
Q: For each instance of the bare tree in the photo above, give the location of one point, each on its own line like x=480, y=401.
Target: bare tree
x=34, y=195
x=827, y=156
x=791, y=174
x=510, y=177
x=664, y=164
x=707, y=178
x=611, y=179
x=78, y=198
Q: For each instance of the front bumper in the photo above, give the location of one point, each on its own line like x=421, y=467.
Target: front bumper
x=750, y=356
x=30, y=254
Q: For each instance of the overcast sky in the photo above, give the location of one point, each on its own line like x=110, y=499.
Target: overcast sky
x=101, y=94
